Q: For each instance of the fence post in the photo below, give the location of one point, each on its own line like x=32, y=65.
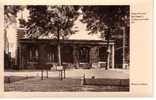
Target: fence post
x=42, y=74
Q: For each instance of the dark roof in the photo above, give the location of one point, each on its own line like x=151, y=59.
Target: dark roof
x=70, y=42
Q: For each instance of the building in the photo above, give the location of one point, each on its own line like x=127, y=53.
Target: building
x=74, y=53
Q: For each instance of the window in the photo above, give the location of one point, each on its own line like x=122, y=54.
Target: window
x=50, y=57
x=51, y=53
x=33, y=54
x=103, y=54
x=84, y=54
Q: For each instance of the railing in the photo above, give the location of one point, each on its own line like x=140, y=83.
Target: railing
x=121, y=66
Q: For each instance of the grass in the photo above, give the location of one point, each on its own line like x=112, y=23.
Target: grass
x=10, y=79
x=108, y=82
x=56, y=85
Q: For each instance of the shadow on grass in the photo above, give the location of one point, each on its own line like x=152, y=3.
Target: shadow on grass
x=10, y=79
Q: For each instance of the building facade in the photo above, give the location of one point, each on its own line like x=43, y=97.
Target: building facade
x=74, y=53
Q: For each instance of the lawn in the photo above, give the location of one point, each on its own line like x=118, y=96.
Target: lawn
x=35, y=84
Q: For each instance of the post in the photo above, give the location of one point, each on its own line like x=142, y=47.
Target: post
x=59, y=54
x=107, y=36
x=47, y=73
x=75, y=57
x=83, y=80
x=42, y=74
x=124, y=42
x=61, y=74
x=20, y=57
x=64, y=73
x=113, y=53
x=108, y=57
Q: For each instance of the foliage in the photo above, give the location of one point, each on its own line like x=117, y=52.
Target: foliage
x=45, y=20
x=109, y=21
x=100, y=18
x=10, y=13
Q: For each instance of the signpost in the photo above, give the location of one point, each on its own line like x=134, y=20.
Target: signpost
x=60, y=69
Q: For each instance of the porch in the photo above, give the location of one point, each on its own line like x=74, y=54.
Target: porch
x=74, y=53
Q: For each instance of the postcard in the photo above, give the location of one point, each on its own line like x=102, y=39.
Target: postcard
x=81, y=48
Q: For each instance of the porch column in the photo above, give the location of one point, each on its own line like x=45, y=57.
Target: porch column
x=113, y=57
x=108, y=58
x=22, y=57
x=19, y=57
x=75, y=57
x=124, y=44
x=20, y=65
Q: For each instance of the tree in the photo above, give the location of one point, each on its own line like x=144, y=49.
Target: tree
x=10, y=14
x=56, y=20
x=107, y=20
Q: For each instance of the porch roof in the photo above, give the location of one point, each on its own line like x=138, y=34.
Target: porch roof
x=65, y=42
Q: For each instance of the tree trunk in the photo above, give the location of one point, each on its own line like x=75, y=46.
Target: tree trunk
x=58, y=47
x=108, y=48
x=59, y=54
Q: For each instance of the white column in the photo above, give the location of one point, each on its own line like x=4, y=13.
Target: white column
x=108, y=58
x=124, y=42
x=113, y=57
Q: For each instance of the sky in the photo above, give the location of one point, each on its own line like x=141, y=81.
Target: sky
x=82, y=33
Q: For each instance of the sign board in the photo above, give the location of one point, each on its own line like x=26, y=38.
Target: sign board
x=59, y=67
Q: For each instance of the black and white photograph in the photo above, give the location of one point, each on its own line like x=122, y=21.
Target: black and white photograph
x=66, y=48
